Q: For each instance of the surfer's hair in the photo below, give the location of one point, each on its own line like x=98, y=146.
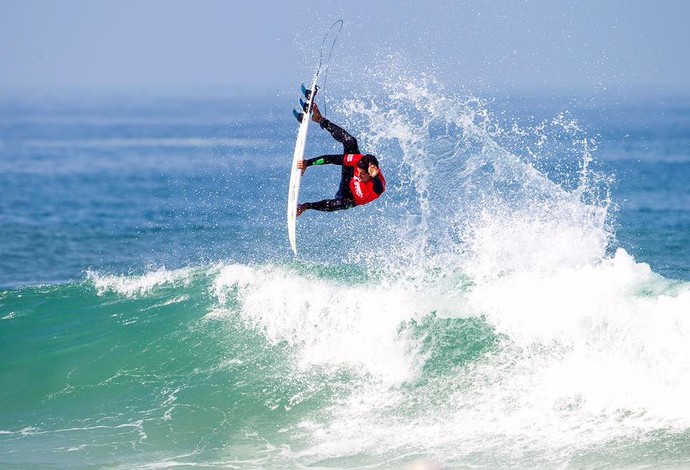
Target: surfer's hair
x=366, y=161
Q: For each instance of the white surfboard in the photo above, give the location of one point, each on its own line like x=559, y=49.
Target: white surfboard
x=296, y=173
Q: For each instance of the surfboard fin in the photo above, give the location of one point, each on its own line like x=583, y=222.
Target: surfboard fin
x=299, y=115
x=307, y=92
x=303, y=104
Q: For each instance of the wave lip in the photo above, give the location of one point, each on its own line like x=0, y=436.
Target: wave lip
x=141, y=285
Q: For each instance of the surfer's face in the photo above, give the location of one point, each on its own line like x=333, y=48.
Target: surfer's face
x=363, y=174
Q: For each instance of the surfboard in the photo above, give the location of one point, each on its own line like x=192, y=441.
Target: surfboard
x=296, y=173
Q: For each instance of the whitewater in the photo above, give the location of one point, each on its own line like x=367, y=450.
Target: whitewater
x=487, y=314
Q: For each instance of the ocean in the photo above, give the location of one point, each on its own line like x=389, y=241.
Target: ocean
x=518, y=298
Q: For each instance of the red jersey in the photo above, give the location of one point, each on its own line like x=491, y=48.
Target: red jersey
x=362, y=192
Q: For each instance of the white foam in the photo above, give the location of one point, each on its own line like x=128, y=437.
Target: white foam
x=618, y=334
x=331, y=324
x=134, y=286
x=587, y=355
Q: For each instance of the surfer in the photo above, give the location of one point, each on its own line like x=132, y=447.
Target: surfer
x=361, y=180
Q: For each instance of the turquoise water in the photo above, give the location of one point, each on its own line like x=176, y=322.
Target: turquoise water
x=517, y=299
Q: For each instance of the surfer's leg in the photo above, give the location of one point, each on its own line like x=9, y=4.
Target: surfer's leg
x=342, y=136
x=338, y=133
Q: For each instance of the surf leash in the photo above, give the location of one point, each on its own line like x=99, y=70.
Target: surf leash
x=333, y=31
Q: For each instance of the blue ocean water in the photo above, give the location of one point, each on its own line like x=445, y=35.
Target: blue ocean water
x=519, y=297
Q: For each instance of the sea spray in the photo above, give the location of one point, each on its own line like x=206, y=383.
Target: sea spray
x=573, y=366
x=463, y=193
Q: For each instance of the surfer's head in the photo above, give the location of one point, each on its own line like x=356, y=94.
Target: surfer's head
x=363, y=166
x=367, y=160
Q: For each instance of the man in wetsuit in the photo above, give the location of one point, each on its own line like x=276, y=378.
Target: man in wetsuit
x=361, y=179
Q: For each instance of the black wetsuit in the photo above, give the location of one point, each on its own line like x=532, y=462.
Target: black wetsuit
x=343, y=198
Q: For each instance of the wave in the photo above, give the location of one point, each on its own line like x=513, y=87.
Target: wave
x=345, y=365
x=491, y=320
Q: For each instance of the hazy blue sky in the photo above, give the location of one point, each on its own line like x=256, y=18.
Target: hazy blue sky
x=269, y=45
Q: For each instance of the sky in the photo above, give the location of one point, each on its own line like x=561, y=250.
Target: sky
x=267, y=46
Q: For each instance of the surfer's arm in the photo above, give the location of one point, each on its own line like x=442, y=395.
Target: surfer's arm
x=379, y=185
x=324, y=160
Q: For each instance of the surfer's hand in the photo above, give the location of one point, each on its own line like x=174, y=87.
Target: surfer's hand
x=302, y=165
x=373, y=170
x=301, y=208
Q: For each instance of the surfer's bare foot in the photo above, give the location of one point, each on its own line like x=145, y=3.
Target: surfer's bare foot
x=316, y=114
x=300, y=208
